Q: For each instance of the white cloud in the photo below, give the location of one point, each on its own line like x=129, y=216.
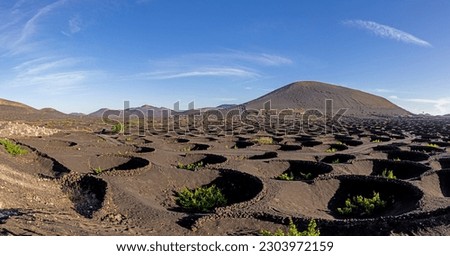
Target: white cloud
x=230, y=63
x=200, y=72
x=394, y=97
x=383, y=90
x=75, y=25
x=233, y=56
x=439, y=106
x=387, y=32
x=30, y=26
x=20, y=23
x=50, y=75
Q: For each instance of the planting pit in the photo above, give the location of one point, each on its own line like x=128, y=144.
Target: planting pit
x=289, y=147
x=243, y=144
x=306, y=170
x=401, y=169
x=311, y=143
x=445, y=163
x=107, y=163
x=338, y=159
x=400, y=197
x=87, y=193
x=145, y=150
x=237, y=187
x=267, y=155
x=414, y=156
x=427, y=149
x=202, y=160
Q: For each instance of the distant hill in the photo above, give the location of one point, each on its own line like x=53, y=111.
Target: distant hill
x=14, y=111
x=146, y=109
x=226, y=106
x=312, y=95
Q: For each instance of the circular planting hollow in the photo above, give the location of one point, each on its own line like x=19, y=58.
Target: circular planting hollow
x=181, y=140
x=289, y=147
x=145, y=150
x=105, y=163
x=445, y=163
x=267, y=155
x=243, y=144
x=304, y=170
x=338, y=147
x=395, y=197
x=231, y=187
x=199, y=147
x=87, y=193
x=385, y=148
x=352, y=143
x=193, y=162
x=428, y=149
x=414, y=156
x=379, y=139
x=61, y=143
x=311, y=143
x=400, y=169
x=237, y=187
x=444, y=181
x=338, y=159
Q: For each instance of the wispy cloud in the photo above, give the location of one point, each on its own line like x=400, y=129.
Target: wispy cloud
x=233, y=56
x=50, y=75
x=30, y=26
x=383, y=90
x=200, y=72
x=385, y=31
x=75, y=24
x=442, y=105
x=19, y=25
x=439, y=106
x=227, y=64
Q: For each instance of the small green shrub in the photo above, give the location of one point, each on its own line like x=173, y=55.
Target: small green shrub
x=311, y=230
x=12, y=148
x=203, y=199
x=389, y=174
x=97, y=170
x=331, y=150
x=306, y=175
x=433, y=145
x=190, y=167
x=286, y=176
x=362, y=206
x=336, y=161
x=264, y=140
x=117, y=128
x=376, y=141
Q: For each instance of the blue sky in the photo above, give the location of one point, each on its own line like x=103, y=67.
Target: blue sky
x=81, y=55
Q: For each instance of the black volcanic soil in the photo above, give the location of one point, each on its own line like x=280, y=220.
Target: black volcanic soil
x=56, y=190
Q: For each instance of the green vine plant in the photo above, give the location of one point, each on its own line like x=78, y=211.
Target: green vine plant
x=117, y=128
x=286, y=176
x=331, y=150
x=190, y=167
x=336, y=161
x=362, y=206
x=203, y=199
x=306, y=175
x=12, y=148
x=311, y=230
x=388, y=174
x=97, y=170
